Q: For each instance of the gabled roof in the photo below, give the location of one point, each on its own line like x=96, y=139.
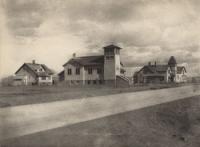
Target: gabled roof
x=180, y=69
x=61, y=73
x=86, y=60
x=111, y=47
x=155, y=68
x=35, y=67
x=47, y=69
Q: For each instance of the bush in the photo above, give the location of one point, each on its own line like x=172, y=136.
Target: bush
x=7, y=81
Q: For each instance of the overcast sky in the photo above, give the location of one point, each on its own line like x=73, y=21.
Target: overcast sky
x=50, y=31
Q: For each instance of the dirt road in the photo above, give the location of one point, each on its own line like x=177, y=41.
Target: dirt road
x=27, y=119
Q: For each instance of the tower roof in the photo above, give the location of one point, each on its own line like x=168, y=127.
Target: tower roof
x=111, y=47
x=172, y=61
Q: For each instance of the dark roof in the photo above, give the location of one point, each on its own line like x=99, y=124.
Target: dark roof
x=61, y=73
x=34, y=67
x=47, y=70
x=155, y=68
x=87, y=60
x=111, y=47
x=180, y=68
x=135, y=73
x=122, y=70
x=172, y=61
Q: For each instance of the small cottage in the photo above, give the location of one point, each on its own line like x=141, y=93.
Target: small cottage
x=33, y=74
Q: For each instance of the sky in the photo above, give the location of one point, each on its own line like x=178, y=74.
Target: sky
x=50, y=31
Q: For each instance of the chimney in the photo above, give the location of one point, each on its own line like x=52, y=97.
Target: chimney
x=149, y=63
x=33, y=61
x=74, y=55
x=155, y=63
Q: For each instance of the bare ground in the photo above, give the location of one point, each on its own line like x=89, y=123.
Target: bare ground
x=174, y=124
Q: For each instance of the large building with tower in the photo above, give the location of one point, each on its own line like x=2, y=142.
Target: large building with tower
x=168, y=73
x=91, y=70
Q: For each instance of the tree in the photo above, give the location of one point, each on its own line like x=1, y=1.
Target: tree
x=7, y=81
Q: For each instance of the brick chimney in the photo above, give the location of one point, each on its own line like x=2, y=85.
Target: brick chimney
x=74, y=55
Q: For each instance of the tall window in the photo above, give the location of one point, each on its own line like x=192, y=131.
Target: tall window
x=109, y=54
x=117, y=51
x=78, y=71
x=69, y=71
x=99, y=71
x=89, y=71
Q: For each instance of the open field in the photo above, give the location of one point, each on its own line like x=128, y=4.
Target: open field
x=173, y=124
x=13, y=96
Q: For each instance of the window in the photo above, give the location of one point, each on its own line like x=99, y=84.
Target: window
x=117, y=51
x=99, y=71
x=94, y=82
x=18, y=79
x=109, y=51
x=78, y=71
x=88, y=82
x=89, y=71
x=43, y=78
x=100, y=82
x=69, y=71
x=109, y=57
x=48, y=78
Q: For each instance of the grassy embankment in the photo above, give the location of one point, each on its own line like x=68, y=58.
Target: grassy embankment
x=22, y=95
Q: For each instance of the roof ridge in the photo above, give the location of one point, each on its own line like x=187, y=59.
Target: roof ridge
x=88, y=56
x=33, y=63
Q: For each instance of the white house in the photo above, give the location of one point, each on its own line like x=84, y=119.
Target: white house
x=153, y=73
x=33, y=74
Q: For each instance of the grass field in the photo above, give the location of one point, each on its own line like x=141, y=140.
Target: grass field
x=13, y=96
x=174, y=124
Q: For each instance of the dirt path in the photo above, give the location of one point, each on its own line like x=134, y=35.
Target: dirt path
x=27, y=119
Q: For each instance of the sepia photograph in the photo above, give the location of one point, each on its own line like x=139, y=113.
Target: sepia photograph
x=99, y=73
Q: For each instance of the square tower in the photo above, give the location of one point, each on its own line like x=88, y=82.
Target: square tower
x=173, y=66
x=111, y=62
